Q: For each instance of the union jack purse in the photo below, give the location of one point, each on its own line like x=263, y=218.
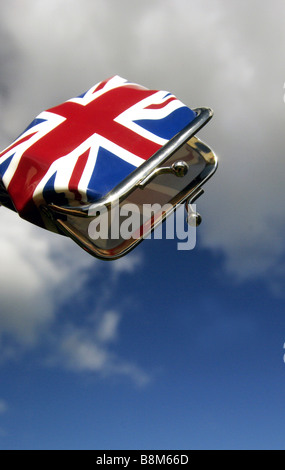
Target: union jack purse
x=82, y=167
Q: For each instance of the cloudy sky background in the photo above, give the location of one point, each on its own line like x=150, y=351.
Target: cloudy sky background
x=161, y=349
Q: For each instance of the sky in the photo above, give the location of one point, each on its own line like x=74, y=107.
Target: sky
x=162, y=349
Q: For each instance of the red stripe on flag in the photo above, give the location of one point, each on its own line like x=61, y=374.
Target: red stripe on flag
x=17, y=143
x=77, y=173
x=101, y=85
x=160, y=105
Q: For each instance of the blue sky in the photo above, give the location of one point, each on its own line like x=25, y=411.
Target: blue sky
x=163, y=349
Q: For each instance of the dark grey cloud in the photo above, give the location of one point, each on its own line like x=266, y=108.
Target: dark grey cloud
x=8, y=63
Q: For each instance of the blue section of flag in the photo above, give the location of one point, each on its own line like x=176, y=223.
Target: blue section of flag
x=169, y=126
x=51, y=196
x=34, y=123
x=109, y=171
x=4, y=165
x=82, y=95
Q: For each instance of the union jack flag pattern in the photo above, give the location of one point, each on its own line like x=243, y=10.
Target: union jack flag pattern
x=77, y=152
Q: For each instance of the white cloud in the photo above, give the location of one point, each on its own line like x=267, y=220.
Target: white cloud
x=80, y=352
x=242, y=205
x=3, y=406
x=35, y=273
x=87, y=349
x=127, y=264
x=107, y=329
x=42, y=271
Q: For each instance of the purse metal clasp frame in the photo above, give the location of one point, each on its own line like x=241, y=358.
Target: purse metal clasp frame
x=174, y=174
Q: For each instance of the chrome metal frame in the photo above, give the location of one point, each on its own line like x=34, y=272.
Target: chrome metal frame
x=138, y=178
